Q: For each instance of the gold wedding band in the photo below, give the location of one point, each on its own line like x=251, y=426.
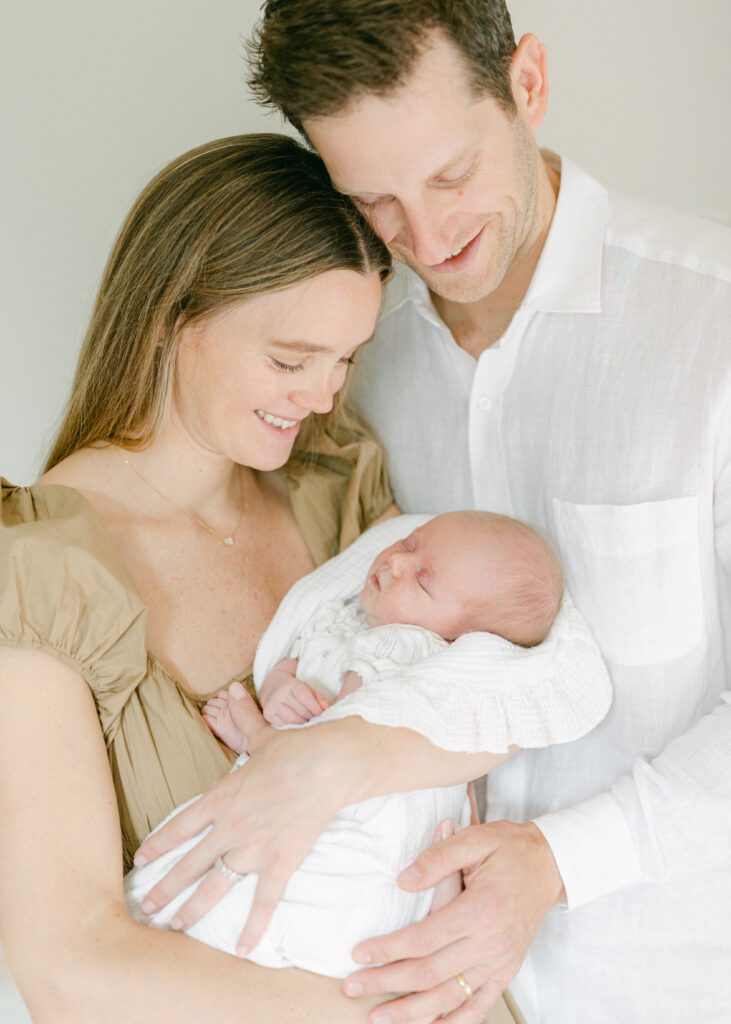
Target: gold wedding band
x=463, y=984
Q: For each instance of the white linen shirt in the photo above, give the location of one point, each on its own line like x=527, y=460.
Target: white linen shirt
x=603, y=418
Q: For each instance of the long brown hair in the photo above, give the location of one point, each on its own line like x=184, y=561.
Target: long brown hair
x=226, y=221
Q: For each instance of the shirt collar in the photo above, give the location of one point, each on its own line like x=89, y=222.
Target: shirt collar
x=568, y=276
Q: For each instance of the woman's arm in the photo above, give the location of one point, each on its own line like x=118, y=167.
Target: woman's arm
x=76, y=954
x=268, y=814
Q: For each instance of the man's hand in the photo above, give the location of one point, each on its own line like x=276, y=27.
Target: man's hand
x=511, y=882
x=286, y=700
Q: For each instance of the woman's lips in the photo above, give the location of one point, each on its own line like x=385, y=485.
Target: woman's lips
x=286, y=432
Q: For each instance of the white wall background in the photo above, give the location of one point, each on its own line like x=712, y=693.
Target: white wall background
x=96, y=96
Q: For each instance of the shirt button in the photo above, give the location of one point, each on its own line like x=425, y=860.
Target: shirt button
x=484, y=403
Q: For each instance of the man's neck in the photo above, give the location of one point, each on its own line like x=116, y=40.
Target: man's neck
x=478, y=325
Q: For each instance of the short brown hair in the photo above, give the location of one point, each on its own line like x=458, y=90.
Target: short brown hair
x=229, y=220
x=312, y=58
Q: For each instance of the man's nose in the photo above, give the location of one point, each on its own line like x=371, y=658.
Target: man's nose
x=422, y=231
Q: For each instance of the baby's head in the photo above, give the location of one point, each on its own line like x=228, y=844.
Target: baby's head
x=464, y=572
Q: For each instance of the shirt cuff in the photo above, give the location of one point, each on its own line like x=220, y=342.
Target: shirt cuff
x=593, y=848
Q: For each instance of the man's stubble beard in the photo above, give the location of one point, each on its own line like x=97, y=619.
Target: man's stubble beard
x=509, y=240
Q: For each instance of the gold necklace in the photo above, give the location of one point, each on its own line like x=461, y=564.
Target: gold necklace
x=229, y=540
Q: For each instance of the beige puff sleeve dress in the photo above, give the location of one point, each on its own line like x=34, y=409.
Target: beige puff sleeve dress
x=63, y=590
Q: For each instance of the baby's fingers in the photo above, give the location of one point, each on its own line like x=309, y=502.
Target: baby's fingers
x=307, y=700
x=284, y=714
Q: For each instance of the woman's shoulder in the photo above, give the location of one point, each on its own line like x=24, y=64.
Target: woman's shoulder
x=63, y=588
x=339, y=486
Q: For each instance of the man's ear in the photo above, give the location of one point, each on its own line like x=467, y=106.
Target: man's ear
x=529, y=79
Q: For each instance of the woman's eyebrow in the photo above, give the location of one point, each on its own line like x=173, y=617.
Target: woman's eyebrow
x=307, y=347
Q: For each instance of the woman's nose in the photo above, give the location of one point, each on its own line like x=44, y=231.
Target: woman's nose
x=317, y=396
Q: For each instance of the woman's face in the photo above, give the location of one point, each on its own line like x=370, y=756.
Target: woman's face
x=248, y=375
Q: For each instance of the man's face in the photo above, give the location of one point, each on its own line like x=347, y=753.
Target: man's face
x=446, y=178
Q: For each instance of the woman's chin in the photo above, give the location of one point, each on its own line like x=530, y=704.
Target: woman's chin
x=265, y=459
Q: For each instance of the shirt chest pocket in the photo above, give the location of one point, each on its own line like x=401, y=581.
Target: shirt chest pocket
x=634, y=571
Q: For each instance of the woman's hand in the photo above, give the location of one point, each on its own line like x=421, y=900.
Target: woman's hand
x=263, y=818
x=511, y=882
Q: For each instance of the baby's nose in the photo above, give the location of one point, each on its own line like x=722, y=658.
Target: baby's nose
x=397, y=565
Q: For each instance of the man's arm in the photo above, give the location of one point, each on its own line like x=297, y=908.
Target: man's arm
x=669, y=817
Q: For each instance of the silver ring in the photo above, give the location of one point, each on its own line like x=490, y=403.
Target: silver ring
x=226, y=871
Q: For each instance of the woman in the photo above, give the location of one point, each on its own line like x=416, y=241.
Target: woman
x=137, y=576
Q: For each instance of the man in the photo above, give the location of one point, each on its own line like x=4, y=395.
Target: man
x=561, y=355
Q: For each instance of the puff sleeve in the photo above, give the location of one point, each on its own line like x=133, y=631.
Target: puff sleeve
x=63, y=591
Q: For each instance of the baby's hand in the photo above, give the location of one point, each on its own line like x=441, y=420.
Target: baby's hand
x=218, y=718
x=286, y=700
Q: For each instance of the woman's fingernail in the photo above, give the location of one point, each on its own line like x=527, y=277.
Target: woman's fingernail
x=242, y=950
x=140, y=860
x=176, y=924
x=148, y=907
x=412, y=874
x=381, y=1018
x=363, y=957
x=353, y=988
x=236, y=690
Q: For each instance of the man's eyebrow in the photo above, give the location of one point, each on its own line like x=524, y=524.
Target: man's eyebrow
x=307, y=347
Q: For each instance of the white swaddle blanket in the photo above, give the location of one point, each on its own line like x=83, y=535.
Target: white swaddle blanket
x=344, y=890
x=480, y=693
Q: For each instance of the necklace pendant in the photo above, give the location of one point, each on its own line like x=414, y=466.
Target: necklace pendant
x=228, y=541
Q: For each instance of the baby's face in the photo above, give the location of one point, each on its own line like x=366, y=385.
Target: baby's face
x=431, y=578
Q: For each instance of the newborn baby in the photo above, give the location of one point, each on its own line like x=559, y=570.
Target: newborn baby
x=458, y=573
x=461, y=572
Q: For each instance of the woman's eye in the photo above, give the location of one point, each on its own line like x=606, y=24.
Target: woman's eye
x=286, y=367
